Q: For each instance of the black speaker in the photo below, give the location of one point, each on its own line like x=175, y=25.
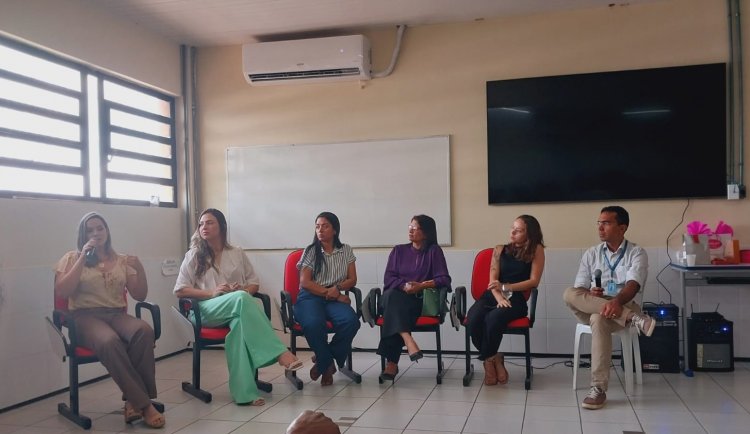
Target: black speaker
x=661, y=351
x=710, y=342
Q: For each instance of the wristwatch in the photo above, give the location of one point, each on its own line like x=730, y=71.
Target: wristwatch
x=506, y=292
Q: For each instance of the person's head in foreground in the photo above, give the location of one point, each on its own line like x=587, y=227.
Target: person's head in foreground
x=313, y=422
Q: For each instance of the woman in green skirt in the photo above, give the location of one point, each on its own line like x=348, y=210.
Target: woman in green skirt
x=223, y=279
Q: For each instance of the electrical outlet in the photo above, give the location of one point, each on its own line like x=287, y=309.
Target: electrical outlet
x=733, y=191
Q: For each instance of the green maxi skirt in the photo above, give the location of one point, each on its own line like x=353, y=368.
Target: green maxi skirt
x=251, y=343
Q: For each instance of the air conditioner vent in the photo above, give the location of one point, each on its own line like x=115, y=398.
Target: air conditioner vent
x=338, y=72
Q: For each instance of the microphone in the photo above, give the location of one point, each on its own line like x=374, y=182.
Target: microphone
x=91, y=258
x=598, y=278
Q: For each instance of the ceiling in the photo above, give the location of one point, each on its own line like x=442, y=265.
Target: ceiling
x=231, y=22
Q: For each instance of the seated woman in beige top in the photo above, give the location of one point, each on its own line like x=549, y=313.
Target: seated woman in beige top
x=95, y=289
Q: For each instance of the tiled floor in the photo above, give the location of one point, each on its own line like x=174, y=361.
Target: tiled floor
x=665, y=403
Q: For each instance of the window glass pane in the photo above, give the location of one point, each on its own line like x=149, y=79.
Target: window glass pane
x=39, y=152
x=133, y=98
x=138, y=123
x=39, y=181
x=40, y=69
x=117, y=189
x=139, y=167
x=31, y=123
x=31, y=95
x=141, y=146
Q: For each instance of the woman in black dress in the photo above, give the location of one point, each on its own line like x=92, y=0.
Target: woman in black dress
x=516, y=267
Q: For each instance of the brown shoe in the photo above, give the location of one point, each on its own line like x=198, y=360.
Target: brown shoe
x=595, y=399
x=490, y=373
x=502, y=373
x=390, y=371
x=327, y=379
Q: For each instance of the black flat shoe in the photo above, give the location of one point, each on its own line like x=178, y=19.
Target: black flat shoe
x=416, y=356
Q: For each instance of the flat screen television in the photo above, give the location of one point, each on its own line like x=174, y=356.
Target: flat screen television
x=639, y=134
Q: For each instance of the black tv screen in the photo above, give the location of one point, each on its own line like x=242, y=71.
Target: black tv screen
x=640, y=134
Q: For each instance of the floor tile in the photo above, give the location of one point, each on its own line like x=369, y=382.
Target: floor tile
x=709, y=403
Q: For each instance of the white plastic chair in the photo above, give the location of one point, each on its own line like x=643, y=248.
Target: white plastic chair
x=629, y=339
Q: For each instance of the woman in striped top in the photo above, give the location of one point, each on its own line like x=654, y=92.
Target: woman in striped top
x=326, y=269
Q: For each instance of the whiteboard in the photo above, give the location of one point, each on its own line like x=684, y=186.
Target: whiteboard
x=274, y=193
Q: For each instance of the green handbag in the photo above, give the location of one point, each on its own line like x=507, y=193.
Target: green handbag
x=430, y=302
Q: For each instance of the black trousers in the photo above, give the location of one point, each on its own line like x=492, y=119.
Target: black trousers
x=400, y=313
x=486, y=322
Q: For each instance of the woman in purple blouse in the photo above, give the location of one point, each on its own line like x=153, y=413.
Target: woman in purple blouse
x=411, y=268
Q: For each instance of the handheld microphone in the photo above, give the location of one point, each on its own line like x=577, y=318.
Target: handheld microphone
x=598, y=278
x=91, y=258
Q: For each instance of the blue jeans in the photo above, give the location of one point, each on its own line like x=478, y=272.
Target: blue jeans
x=312, y=312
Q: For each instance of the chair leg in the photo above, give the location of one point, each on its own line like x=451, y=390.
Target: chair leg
x=576, y=354
x=292, y=375
x=469, y=367
x=637, y=356
x=626, y=342
x=194, y=388
x=72, y=412
x=441, y=367
x=529, y=369
x=348, y=371
x=263, y=385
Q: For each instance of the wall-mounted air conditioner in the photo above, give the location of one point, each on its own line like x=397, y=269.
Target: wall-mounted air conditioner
x=307, y=60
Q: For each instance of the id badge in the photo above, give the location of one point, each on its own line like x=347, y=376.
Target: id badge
x=611, y=288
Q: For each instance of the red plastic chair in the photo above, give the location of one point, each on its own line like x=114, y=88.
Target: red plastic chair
x=289, y=297
x=480, y=278
x=424, y=324
x=68, y=347
x=205, y=337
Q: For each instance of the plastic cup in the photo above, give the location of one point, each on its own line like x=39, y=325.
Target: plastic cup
x=690, y=260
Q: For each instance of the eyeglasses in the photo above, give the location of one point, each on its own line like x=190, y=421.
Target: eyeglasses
x=604, y=223
x=414, y=228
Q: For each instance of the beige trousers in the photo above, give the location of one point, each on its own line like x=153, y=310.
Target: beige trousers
x=125, y=346
x=586, y=308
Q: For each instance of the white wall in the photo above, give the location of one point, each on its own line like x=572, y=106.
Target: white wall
x=34, y=234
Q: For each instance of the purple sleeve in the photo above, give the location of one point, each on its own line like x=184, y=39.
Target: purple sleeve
x=392, y=279
x=439, y=268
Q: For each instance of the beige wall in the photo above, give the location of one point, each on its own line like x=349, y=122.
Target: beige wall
x=438, y=87
x=75, y=29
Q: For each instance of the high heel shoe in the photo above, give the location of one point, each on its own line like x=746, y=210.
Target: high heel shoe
x=416, y=356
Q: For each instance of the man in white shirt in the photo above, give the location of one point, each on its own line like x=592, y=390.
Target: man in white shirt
x=609, y=277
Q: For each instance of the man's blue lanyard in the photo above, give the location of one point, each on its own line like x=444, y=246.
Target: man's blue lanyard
x=612, y=267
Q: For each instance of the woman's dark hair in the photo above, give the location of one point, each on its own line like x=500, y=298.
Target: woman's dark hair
x=205, y=256
x=534, y=238
x=83, y=237
x=316, y=246
x=427, y=225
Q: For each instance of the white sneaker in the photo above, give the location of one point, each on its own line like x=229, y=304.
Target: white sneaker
x=643, y=323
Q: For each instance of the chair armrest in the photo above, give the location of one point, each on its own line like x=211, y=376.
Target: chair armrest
x=458, y=307
x=188, y=304
x=532, y=306
x=370, y=307
x=155, y=315
x=444, y=290
x=287, y=312
x=266, y=300
x=60, y=319
x=357, y=299
x=57, y=339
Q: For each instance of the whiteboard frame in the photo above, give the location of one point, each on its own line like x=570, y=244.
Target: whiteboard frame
x=384, y=174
